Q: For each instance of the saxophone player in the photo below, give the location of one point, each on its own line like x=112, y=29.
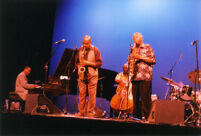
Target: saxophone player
x=144, y=57
x=88, y=60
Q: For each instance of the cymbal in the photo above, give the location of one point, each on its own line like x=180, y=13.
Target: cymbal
x=171, y=82
x=192, y=76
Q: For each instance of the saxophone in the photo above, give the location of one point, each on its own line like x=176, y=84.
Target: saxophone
x=82, y=69
x=132, y=61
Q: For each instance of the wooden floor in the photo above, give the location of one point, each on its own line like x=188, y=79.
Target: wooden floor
x=62, y=124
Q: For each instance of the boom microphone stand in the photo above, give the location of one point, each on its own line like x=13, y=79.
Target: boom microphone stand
x=170, y=73
x=46, y=65
x=47, y=62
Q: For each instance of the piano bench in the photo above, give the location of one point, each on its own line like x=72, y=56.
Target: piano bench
x=15, y=102
x=14, y=96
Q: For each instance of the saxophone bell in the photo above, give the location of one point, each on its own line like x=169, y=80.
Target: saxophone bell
x=81, y=72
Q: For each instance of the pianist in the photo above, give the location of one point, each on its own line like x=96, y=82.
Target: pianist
x=22, y=85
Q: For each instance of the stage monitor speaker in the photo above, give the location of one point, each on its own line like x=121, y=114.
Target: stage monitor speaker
x=166, y=112
x=38, y=103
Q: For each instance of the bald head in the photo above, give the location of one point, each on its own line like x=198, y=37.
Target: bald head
x=137, y=38
x=86, y=41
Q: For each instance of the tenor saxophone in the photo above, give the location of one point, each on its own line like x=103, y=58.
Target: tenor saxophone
x=81, y=72
x=82, y=69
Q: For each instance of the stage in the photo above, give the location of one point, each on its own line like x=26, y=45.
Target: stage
x=68, y=124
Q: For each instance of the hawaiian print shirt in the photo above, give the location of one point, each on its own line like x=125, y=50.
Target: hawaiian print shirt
x=143, y=70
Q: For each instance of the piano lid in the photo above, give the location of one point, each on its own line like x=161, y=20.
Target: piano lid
x=66, y=63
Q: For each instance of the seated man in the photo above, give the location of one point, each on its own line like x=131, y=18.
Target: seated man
x=22, y=85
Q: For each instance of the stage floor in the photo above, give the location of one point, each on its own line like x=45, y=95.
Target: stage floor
x=68, y=124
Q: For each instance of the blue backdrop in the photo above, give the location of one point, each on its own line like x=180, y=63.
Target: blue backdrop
x=169, y=26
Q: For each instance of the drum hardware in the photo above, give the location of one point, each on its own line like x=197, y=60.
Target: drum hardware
x=195, y=77
x=185, y=94
x=194, y=117
x=174, y=88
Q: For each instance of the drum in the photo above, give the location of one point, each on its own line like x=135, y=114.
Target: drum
x=186, y=90
x=174, y=93
x=185, y=93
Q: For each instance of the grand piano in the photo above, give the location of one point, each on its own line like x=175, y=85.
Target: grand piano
x=64, y=79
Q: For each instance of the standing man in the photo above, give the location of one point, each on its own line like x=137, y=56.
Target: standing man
x=144, y=59
x=22, y=85
x=88, y=60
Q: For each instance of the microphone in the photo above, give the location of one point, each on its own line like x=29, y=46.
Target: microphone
x=193, y=43
x=131, y=46
x=181, y=58
x=63, y=40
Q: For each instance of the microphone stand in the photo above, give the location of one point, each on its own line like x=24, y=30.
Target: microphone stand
x=129, y=74
x=46, y=67
x=101, y=88
x=170, y=73
x=195, y=115
x=68, y=74
x=197, y=120
x=47, y=62
x=120, y=112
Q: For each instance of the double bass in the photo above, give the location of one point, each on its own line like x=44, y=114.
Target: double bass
x=122, y=101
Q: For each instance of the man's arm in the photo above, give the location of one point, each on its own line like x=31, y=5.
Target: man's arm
x=150, y=58
x=98, y=60
x=25, y=84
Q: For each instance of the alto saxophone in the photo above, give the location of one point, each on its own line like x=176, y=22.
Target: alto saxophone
x=82, y=69
x=132, y=63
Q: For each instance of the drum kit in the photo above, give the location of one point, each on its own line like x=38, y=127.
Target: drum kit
x=190, y=97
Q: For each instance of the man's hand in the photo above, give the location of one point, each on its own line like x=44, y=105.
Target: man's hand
x=88, y=63
x=137, y=56
x=36, y=86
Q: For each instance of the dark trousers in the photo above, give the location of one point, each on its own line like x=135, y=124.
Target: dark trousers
x=141, y=91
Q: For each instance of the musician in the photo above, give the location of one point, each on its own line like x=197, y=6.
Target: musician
x=122, y=78
x=21, y=85
x=88, y=57
x=144, y=57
